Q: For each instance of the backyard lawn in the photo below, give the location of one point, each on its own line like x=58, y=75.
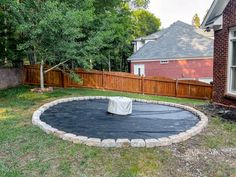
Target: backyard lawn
x=25, y=150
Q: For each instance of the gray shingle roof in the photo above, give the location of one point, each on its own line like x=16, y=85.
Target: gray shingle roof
x=152, y=36
x=180, y=40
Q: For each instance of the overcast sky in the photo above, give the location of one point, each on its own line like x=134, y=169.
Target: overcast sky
x=170, y=11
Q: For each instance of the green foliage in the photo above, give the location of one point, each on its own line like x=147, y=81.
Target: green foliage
x=102, y=6
x=86, y=33
x=75, y=77
x=196, y=21
x=54, y=30
x=145, y=23
x=110, y=40
x=9, y=39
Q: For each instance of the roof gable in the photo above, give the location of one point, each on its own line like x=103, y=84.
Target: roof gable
x=213, y=18
x=180, y=40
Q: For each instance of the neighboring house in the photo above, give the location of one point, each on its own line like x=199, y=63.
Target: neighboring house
x=222, y=18
x=179, y=52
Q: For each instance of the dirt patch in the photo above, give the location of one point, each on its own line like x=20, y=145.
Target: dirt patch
x=44, y=90
x=216, y=110
x=205, y=162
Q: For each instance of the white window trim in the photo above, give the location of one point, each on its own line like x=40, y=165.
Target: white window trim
x=230, y=58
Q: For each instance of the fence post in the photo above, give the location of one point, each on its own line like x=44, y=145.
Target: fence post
x=25, y=75
x=142, y=84
x=189, y=89
x=103, y=79
x=64, y=79
x=176, y=87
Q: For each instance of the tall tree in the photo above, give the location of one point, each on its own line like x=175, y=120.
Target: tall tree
x=87, y=33
x=196, y=21
x=54, y=31
x=110, y=40
x=145, y=23
x=9, y=38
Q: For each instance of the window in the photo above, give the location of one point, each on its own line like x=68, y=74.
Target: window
x=139, y=69
x=162, y=62
x=232, y=62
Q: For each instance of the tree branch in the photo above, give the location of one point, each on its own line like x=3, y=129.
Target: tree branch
x=55, y=66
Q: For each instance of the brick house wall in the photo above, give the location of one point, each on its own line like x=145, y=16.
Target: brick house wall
x=176, y=69
x=221, y=56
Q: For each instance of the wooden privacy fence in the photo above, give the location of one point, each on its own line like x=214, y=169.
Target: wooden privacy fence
x=124, y=82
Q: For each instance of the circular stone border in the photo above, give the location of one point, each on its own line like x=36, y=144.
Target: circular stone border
x=148, y=143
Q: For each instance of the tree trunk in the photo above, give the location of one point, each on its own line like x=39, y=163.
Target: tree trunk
x=91, y=64
x=5, y=36
x=109, y=63
x=31, y=57
x=41, y=75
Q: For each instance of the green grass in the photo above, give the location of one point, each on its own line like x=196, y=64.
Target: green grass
x=27, y=151
x=221, y=133
x=22, y=94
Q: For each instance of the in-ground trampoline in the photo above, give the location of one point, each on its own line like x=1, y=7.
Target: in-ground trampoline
x=86, y=120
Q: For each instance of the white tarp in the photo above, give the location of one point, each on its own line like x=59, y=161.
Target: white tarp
x=120, y=105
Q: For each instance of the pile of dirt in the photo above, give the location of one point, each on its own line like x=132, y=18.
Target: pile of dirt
x=224, y=112
x=44, y=90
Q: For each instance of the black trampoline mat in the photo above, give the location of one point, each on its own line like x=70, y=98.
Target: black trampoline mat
x=90, y=118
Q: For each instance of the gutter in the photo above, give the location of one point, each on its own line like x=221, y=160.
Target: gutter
x=170, y=59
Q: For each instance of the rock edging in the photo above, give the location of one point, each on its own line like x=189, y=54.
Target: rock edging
x=120, y=143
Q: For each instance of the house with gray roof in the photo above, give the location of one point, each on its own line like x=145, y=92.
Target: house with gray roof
x=179, y=52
